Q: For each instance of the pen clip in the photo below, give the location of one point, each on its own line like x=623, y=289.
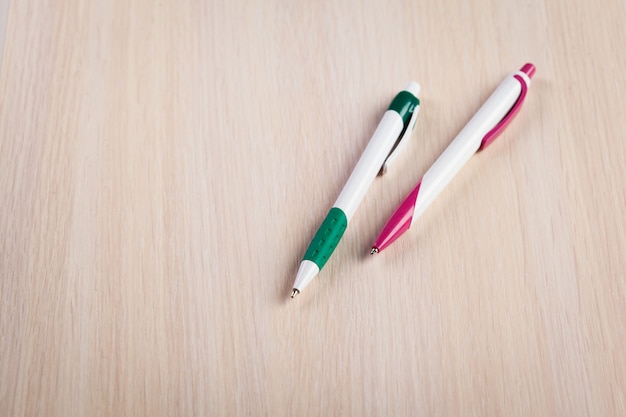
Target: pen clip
x=502, y=124
x=400, y=143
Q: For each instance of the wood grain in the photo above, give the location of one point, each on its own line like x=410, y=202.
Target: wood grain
x=163, y=166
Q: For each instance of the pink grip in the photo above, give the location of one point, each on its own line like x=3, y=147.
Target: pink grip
x=399, y=222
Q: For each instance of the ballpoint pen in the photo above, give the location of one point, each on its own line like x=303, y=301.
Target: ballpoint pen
x=396, y=124
x=480, y=131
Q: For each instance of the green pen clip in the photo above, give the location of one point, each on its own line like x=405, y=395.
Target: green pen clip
x=407, y=105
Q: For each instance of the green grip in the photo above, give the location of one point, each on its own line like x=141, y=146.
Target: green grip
x=327, y=237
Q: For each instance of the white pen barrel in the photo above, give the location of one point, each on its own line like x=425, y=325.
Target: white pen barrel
x=466, y=143
x=367, y=168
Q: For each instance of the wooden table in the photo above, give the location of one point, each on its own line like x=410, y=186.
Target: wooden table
x=164, y=165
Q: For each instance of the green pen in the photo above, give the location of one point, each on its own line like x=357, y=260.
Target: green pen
x=397, y=123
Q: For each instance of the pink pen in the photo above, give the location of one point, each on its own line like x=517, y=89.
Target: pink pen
x=482, y=129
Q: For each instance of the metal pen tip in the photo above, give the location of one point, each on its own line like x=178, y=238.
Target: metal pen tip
x=294, y=293
x=374, y=250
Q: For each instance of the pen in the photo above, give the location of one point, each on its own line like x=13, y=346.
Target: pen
x=396, y=124
x=482, y=129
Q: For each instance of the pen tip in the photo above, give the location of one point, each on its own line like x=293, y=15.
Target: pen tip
x=374, y=250
x=294, y=293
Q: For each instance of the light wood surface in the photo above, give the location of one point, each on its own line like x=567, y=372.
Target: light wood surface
x=164, y=165
x=4, y=4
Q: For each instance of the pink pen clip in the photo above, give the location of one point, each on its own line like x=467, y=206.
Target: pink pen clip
x=529, y=70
